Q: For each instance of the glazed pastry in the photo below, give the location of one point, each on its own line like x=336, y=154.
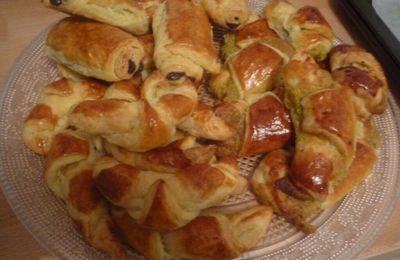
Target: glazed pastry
x=69, y=175
x=252, y=70
x=94, y=49
x=209, y=236
x=183, y=49
x=262, y=124
x=253, y=32
x=48, y=117
x=131, y=16
x=231, y=14
x=175, y=156
x=357, y=69
x=138, y=124
x=163, y=201
x=305, y=28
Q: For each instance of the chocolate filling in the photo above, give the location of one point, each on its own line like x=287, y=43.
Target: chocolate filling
x=56, y=2
x=131, y=66
x=232, y=26
x=175, y=75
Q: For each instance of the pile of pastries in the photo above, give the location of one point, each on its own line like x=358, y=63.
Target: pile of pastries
x=137, y=157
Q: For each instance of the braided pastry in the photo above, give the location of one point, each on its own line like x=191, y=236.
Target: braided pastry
x=359, y=70
x=183, y=49
x=49, y=116
x=209, y=236
x=164, y=201
x=68, y=174
x=305, y=28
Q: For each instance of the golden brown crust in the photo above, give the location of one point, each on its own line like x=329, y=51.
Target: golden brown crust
x=256, y=30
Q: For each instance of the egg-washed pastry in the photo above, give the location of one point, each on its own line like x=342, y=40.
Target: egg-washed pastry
x=262, y=124
x=183, y=41
x=359, y=70
x=252, y=70
x=335, y=149
x=254, y=31
x=231, y=14
x=177, y=155
x=132, y=16
x=137, y=124
x=165, y=201
x=305, y=28
x=49, y=116
x=69, y=175
x=209, y=236
x=94, y=49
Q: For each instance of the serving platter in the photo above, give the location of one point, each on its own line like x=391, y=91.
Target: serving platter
x=343, y=231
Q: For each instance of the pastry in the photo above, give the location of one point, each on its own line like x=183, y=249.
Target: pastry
x=231, y=14
x=49, y=116
x=263, y=125
x=94, y=49
x=209, y=236
x=305, y=28
x=165, y=201
x=131, y=16
x=68, y=174
x=183, y=49
x=359, y=70
x=254, y=31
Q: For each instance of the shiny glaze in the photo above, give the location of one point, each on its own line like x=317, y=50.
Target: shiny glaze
x=256, y=67
x=65, y=144
x=309, y=14
x=255, y=30
x=270, y=126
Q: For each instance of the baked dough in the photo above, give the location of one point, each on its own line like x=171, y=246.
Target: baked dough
x=132, y=16
x=69, y=175
x=209, y=236
x=231, y=14
x=305, y=28
x=94, y=49
x=164, y=201
x=183, y=49
x=49, y=116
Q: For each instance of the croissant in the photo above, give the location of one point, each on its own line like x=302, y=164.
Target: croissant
x=68, y=174
x=94, y=49
x=209, y=236
x=263, y=124
x=335, y=149
x=131, y=16
x=183, y=49
x=165, y=201
x=231, y=14
x=305, y=28
x=138, y=124
x=49, y=116
x=177, y=155
x=252, y=70
x=357, y=69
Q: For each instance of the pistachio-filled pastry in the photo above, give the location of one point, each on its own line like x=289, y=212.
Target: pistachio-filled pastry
x=183, y=41
x=231, y=14
x=305, y=28
x=94, y=49
x=132, y=16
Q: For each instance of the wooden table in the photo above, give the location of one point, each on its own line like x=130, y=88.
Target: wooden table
x=22, y=20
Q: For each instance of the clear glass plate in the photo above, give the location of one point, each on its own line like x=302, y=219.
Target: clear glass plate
x=343, y=231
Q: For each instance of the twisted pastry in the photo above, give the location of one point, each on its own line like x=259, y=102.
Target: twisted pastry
x=175, y=156
x=263, y=124
x=357, y=69
x=138, y=124
x=68, y=174
x=183, y=49
x=49, y=116
x=335, y=149
x=231, y=14
x=94, y=49
x=209, y=236
x=305, y=28
x=131, y=16
x=164, y=201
